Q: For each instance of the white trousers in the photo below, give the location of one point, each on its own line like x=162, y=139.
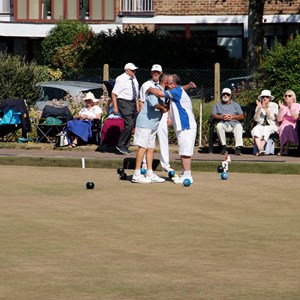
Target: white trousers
x=237, y=132
x=163, y=139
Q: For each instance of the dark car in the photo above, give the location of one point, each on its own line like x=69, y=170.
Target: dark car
x=232, y=83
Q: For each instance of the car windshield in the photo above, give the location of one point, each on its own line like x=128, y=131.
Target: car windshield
x=65, y=91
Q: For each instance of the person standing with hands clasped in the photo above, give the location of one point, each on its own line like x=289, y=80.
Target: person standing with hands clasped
x=124, y=96
x=266, y=117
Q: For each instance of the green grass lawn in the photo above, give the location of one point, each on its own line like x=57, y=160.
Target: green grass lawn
x=233, y=239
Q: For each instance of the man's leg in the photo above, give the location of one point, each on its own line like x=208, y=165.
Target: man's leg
x=127, y=110
x=221, y=132
x=238, y=135
x=139, y=158
x=162, y=133
x=186, y=142
x=186, y=163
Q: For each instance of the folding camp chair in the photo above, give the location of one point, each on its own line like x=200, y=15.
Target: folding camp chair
x=14, y=115
x=53, y=120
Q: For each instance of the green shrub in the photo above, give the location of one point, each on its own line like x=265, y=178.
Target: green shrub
x=280, y=69
x=18, y=78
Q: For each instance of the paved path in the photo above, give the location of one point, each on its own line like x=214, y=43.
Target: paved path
x=92, y=153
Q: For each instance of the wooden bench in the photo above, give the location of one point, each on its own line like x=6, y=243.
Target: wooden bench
x=248, y=124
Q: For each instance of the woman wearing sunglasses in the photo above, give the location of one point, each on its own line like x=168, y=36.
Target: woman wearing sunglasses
x=287, y=118
x=266, y=117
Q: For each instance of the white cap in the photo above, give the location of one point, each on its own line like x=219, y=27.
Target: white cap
x=227, y=91
x=130, y=66
x=156, y=68
x=266, y=93
x=90, y=96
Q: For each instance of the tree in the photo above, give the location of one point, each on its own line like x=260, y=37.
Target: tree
x=256, y=33
x=62, y=35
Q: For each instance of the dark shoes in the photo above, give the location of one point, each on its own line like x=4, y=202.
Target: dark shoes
x=224, y=150
x=123, y=150
x=238, y=151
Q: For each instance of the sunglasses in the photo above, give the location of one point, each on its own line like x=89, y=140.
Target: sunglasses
x=226, y=94
x=288, y=95
x=265, y=97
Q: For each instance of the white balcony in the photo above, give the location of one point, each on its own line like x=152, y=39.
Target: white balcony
x=136, y=8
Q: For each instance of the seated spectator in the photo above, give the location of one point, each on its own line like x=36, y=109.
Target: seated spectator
x=112, y=127
x=266, y=117
x=229, y=113
x=80, y=128
x=287, y=117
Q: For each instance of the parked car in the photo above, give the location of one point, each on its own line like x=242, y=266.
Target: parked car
x=61, y=92
x=232, y=83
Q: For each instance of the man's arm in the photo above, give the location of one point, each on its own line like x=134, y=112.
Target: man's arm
x=114, y=100
x=156, y=92
x=190, y=85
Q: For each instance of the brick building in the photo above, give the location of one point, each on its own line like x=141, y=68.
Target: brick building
x=24, y=23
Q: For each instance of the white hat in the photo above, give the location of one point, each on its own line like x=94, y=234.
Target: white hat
x=130, y=66
x=90, y=96
x=227, y=91
x=266, y=93
x=156, y=68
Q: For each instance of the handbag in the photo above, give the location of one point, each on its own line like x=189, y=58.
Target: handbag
x=61, y=139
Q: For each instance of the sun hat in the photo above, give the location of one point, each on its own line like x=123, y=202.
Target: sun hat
x=130, y=66
x=227, y=91
x=157, y=68
x=266, y=93
x=90, y=96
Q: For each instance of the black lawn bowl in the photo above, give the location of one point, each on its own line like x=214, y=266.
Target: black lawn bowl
x=90, y=185
x=120, y=170
x=123, y=176
x=220, y=169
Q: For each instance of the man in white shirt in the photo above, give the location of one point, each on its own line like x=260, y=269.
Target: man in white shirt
x=124, y=96
x=165, y=122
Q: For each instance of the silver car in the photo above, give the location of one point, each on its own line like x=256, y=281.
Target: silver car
x=61, y=93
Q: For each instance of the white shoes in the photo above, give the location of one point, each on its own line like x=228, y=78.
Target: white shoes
x=140, y=179
x=147, y=179
x=179, y=179
x=156, y=179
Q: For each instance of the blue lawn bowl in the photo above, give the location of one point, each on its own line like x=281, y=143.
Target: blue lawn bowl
x=143, y=171
x=186, y=182
x=171, y=174
x=224, y=175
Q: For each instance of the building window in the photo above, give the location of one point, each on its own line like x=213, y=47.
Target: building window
x=5, y=7
x=136, y=7
x=36, y=10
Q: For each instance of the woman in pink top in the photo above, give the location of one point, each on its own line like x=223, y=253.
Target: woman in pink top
x=287, y=117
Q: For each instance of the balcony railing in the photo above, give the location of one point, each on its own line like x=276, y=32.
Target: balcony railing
x=136, y=8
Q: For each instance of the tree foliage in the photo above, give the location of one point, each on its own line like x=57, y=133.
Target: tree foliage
x=146, y=47
x=18, y=78
x=280, y=69
x=256, y=32
x=63, y=34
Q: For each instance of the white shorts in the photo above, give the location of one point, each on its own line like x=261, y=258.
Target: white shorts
x=186, y=141
x=144, y=137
